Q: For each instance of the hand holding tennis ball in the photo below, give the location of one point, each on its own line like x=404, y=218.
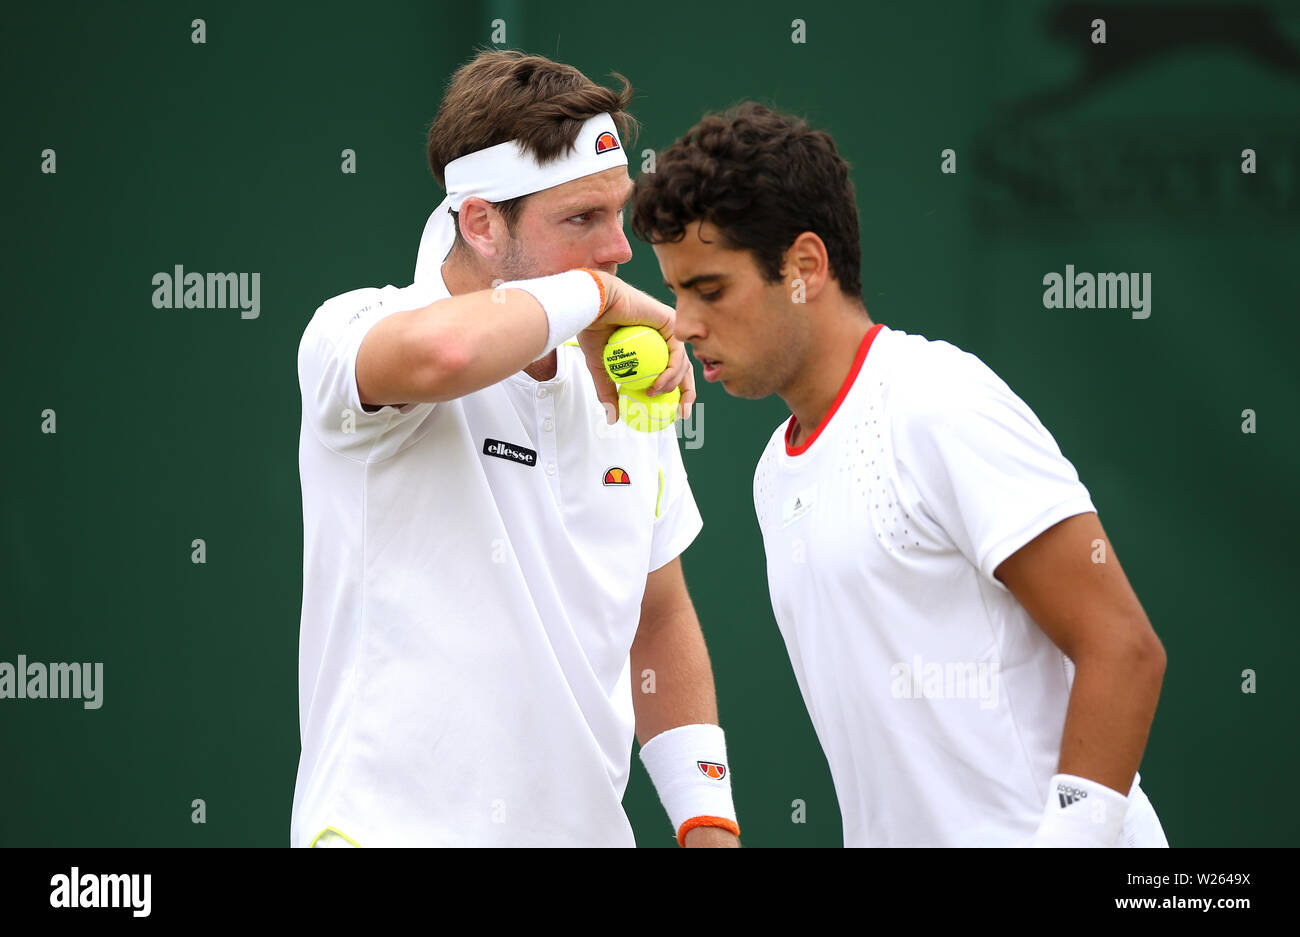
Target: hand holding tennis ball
x=647, y=358
x=634, y=356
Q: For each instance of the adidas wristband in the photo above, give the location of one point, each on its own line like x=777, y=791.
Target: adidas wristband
x=572, y=301
x=688, y=766
x=1080, y=813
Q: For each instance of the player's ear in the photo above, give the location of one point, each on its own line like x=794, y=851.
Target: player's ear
x=478, y=222
x=806, y=260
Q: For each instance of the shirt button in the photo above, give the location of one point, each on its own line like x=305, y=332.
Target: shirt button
x=542, y=392
x=548, y=425
x=550, y=468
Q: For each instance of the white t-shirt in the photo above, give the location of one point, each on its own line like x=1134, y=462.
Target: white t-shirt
x=940, y=704
x=472, y=579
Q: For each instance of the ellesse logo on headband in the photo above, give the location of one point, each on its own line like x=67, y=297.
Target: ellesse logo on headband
x=606, y=142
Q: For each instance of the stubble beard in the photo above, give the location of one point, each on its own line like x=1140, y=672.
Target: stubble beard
x=516, y=264
x=779, y=368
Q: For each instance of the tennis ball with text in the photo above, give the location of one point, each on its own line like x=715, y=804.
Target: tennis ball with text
x=634, y=356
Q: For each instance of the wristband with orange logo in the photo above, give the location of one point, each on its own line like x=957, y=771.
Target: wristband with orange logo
x=688, y=766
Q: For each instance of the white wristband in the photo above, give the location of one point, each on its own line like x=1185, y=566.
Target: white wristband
x=688, y=766
x=1080, y=813
x=572, y=301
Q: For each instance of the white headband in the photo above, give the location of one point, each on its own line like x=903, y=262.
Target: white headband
x=507, y=171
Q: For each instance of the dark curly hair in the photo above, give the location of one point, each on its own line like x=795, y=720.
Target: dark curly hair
x=762, y=178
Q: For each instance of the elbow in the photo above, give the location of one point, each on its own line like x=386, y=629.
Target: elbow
x=1149, y=662
x=1139, y=655
x=446, y=361
x=1155, y=654
x=1146, y=656
x=1145, y=648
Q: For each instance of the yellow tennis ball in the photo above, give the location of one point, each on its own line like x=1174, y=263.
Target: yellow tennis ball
x=634, y=356
x=648, y=414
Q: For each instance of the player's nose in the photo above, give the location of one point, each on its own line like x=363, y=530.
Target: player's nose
x=689, y=327
x=615, y=249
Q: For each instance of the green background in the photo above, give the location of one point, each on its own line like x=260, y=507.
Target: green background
x=175, y=424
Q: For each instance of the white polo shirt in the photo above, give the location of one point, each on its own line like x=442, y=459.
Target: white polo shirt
x=940, y=704
x=472, y=579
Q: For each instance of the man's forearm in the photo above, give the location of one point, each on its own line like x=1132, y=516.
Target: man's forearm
x=1112, y=704
x=678, y=688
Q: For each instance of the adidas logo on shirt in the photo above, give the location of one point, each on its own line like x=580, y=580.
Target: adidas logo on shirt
x=798, y=506
x=1069, y=795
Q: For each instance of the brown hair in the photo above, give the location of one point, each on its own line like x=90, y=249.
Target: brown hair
x=504, y=94
x=762, y=178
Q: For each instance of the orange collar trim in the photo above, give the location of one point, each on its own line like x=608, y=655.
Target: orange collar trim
x=839, y=398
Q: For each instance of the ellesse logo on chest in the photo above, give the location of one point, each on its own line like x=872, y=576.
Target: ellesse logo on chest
x=509, y=451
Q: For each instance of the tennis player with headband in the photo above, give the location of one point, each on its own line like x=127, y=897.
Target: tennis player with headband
x=493, y=596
